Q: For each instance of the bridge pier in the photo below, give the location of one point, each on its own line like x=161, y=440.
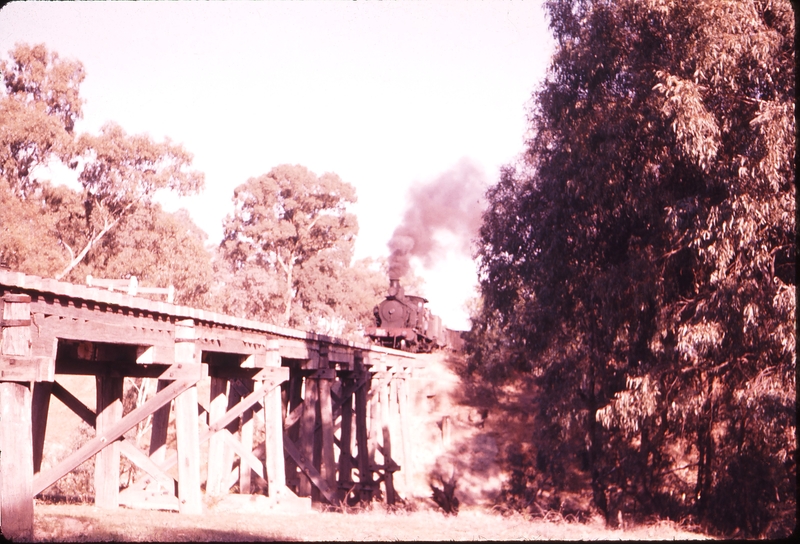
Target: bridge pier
x=107, y=460
x=218, y=467
x=273, y=429
x=17, y=371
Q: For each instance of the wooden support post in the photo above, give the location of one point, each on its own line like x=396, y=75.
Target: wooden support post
x=328, y=469
x=345, y=449
x=41, y=406
x=317, y=440
x=394, y=420
x=388, y=462
x=160, y=428
x=295, y=403
x=353, y=431
x=218, y=405
x=187, y=433
x=405, y=430
x=188, y=445
x=325, y=408
x=247, y=443
x=16, y=461
x=308, y=422
x=375, y=457
x=273, y=426
x=106, y=462
x=16, y=441
x=364, y=466
x=228, y=455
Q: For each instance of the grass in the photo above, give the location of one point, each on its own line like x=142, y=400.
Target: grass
x=72, y=523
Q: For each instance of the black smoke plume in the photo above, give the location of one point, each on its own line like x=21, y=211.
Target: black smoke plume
x=453, y=202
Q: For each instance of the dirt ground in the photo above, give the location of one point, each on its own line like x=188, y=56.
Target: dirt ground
x=455, y=435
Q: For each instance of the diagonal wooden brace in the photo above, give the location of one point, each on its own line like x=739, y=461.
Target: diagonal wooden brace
x=136, y=456
x=294, y=416
x=143, y=461
x=362, y=379
x=246, y=456
x=43, y=480
x=74, y=404
x=230, y=415
x=309, y=470
x=241, y=407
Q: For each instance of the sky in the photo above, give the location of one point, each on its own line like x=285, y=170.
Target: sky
x=391, y=96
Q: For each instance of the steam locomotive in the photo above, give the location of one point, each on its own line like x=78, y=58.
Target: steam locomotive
x=404, y=322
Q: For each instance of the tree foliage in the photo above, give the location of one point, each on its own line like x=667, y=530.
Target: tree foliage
x=39, y=105
x=160, y=249
x=49, y=230
x=28, y=242
x=289, y=230
x=120, y=173
x=639, y=262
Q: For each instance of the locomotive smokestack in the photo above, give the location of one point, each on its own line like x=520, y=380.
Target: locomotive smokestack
x=394, y=287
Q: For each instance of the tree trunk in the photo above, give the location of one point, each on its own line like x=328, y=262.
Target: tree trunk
x=288, y=269
x=595, y=446
x=705, y=447
x=93, y=239
x=287, y=313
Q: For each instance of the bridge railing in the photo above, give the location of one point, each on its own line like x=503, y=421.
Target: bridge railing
x=131, y=287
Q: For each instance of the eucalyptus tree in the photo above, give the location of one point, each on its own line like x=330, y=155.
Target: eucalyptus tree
x=39, y=105
x=121, y=173
x=118, y=173
x=288, y=228
x=639, y=261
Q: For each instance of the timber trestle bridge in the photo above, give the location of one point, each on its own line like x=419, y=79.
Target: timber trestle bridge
x=323, y=405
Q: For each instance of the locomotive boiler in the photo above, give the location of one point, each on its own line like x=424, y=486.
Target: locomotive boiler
x=404, y=322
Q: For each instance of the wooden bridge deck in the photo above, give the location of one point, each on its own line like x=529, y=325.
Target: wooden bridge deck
x=329, y=407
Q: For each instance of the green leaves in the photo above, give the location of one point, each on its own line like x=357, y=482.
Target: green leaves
x=36, y=75
x=288, y=243
x=38, y=107
x=51, y=230
x=636, y=261
x=281, y=222
x=122, y=171
x=695, y=128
